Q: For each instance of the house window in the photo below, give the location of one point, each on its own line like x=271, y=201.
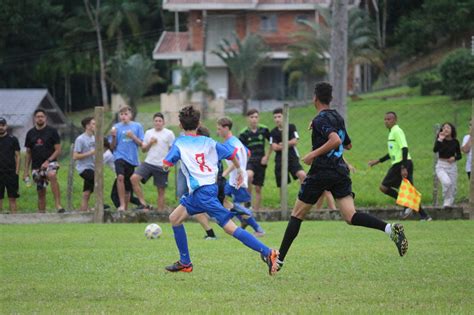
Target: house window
x=301, y=18
x=268, y=23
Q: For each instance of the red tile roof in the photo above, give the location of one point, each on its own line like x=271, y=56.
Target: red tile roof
x=172, y=42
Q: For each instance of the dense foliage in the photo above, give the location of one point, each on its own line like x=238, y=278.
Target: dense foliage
x=457, y=74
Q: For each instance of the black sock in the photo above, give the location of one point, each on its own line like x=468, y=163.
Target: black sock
x=364, y=219
x=392, y=193
x=210, y=233
x=290, y=234
x=423, y=213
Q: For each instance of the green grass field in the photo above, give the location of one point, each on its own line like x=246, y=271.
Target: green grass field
x=417, y=116
x=332, y=268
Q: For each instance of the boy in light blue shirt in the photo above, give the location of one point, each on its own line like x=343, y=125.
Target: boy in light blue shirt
x=126, y=138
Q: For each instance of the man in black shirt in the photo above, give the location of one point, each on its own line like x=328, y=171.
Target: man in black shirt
x=9, y=166
x=294, y=166
x=254, y=137
x=330, y=172
x=42, y=150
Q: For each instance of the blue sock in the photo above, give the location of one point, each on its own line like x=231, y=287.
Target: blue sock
x=253, y=223
x=251, y=241
x=182, y=243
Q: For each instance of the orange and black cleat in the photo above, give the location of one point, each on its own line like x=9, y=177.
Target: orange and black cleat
x=179, y=267
x=272, y=263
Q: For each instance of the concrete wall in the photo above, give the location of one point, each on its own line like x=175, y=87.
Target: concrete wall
x=172, y=103
x=218, y=81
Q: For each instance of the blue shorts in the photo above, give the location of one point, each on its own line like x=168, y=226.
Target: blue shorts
x=238, y=195
x=204, y=200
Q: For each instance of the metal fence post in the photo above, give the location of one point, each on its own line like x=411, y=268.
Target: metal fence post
x=70, y=178
x=284, y=164
x=435, y=178
x=99, y=164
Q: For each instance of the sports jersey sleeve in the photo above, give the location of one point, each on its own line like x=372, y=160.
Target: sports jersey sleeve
x=401, y=139
x=171, y=138
x=347, y=139
x=293, y=133
x=266, y=134
x=226, y=151
x=139, y=130
x=323, y=126
x=243, y=138
x=55, y=137
x=173, y=156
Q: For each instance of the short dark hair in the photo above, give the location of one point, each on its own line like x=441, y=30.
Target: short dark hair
x=189, y=118
x=86, y=121
x=252, y=111
x=125, y=108
x=225, y=122
x=323, y=92
x=278, y=110
x=159, y=115
x=107, y=144
x=203, y=131
x=392, y=113
x=39, y=110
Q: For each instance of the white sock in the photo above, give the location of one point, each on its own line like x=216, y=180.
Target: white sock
x=388, y=229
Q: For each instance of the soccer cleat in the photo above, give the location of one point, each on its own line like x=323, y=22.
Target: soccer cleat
x=398, y=236
x=210, y=238
x=279, y=262
x=407, y=213
x=179, y=267
x=427, y=218
x=271, y=261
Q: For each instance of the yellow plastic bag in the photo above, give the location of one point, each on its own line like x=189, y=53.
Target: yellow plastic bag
x=408, y=196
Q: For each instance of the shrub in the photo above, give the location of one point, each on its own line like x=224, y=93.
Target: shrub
x=457, y=74
x=430, y=82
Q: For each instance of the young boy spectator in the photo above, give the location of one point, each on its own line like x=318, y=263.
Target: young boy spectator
x=9, y=166
x=126, y=138
x=156, y=143
x=294, y=166
x=43, y=147
x=199, y=156
x=254, y=137
x=84, y=154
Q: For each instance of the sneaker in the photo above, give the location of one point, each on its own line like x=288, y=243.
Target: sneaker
x=210, y=238
x=398, y=236
x=428, y=218
x=407, y=213
x=259, y=233
x=61, y=210
x=143, y=207
x=271, y=261
x=278, y=261
x=179, y=267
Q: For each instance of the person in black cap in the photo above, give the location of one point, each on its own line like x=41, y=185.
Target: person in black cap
x=9, y=166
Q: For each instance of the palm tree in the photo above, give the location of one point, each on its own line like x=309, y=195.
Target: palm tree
x=313, y=43
x=132, y=76
x=244, y=60
x=193, y=80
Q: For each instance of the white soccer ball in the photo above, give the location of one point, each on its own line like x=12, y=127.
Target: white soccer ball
x=153, y=231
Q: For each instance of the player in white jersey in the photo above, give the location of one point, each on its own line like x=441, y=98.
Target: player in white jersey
x=199, y=156
x=239, y=194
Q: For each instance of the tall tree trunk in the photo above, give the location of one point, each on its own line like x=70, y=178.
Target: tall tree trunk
x=338, y=51
x=384, y=22
x=94, y=18
x=377, y=19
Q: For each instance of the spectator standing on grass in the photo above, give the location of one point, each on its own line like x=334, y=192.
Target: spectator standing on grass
x=402, y=165
x=449, y=151
x=126, y=138
x=329, y=172
x=84, y=154
x=43, y=147
x=467, y=149
x=9, y=166
x=294, y=166
x=156, y=143
x=254, y=137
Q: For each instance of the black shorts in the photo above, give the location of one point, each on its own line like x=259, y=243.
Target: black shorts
x=221, y=181
x=314, y=185
x=88, y=176
x=9, y=181
x=294, y=167
x=394, y=175
x=126, y=169
x=258, y=172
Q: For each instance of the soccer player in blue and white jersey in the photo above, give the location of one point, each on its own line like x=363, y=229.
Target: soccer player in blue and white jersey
x=199, y=156
x=240, y=195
